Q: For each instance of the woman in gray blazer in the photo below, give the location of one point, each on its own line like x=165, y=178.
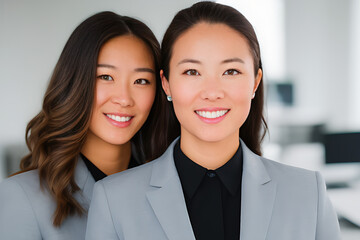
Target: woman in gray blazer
x=211, y=184
x=93, y=123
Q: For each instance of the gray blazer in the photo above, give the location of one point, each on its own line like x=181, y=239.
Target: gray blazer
x=278, y=202
x=26, y=212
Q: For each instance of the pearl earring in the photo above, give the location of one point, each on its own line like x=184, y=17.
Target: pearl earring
x=169, y=98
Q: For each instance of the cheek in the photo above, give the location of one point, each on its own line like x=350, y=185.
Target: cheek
x=100, y=96
x=183, y=95
x=242, y=90
x=241, y=96
x=145, y=100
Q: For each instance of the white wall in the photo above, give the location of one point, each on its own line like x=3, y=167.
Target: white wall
x=32, y=35
x=354, y=104
x=267, y=18
x=318, y=55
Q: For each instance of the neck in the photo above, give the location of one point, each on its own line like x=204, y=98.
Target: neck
x=107, y=157
x=210, y=155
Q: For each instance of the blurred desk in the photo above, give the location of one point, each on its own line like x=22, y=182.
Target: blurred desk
x=349, y=231
x=346, y=201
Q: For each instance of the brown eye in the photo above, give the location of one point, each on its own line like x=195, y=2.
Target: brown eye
x=105, y=77
x=192, y=72
x=142, y=81
x=231, y=72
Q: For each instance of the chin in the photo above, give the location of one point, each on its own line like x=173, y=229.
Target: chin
x=212, y=137
x=117, y=141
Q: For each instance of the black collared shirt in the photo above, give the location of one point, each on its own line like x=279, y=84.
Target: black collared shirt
x=97, y=173
x=213, y=197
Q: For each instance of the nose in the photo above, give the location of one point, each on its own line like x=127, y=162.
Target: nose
x=212, y=90
x=122, y=96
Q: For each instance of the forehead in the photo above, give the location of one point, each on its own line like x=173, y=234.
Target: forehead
x=214, y=39
x=126, y=48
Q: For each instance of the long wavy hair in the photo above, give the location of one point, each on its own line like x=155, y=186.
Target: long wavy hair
x=56, y=135
x=254, y=128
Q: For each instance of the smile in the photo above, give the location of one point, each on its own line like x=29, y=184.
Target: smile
x=118, y=118
x=211, y=114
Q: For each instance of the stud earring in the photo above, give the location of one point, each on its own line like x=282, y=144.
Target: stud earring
x=169, y=98
x=253, y=95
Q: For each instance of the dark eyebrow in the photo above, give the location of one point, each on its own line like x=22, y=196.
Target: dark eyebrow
x=144, y=70
x=106, y=66
x=188, y=60
x=233, y=60
x=136, y=69
x=224, y=61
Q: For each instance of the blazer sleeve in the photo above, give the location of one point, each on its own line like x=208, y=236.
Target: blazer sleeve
x=327, y=224
x=100, y=223
x=17, y=217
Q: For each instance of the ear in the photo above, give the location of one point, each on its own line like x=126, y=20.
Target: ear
x=165, y=83
x=257, y=80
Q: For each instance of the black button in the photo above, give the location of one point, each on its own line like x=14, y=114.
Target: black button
x=211, y=174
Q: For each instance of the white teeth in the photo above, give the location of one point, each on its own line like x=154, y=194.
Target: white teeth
x=212, y=114
x=118, y=118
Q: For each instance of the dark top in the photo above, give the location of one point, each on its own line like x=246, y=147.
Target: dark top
x=97, y=173
x=213, y=197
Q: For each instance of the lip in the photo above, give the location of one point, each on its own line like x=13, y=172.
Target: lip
x=119, y=124
x=212, y=109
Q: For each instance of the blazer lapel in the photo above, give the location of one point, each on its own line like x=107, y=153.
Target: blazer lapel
x=258, y=197
x=167, y=199
x=85, y=182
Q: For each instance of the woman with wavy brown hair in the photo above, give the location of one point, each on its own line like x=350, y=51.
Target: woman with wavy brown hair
x=99, y=116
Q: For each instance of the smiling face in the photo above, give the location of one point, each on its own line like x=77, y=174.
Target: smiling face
x=124, y=92
x=211, y=82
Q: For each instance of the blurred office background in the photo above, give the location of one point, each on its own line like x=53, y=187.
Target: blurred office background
x=311, y=56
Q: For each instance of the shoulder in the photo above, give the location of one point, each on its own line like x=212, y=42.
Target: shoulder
x=141, y=175
x=27, y=206
x=16, y=206
x=295, y=180
x=123, y=193
x=24, y=189
x=302, y=189
x=27, y=182
x=266, y=170
x=138, y=176
x=132, y=185
x=281, y=170
x=262, y=167
x=117, y=200
x=290, y=175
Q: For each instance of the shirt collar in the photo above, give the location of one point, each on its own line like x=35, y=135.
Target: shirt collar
x=230, y=173
x=95, y=172
x=191, y=174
